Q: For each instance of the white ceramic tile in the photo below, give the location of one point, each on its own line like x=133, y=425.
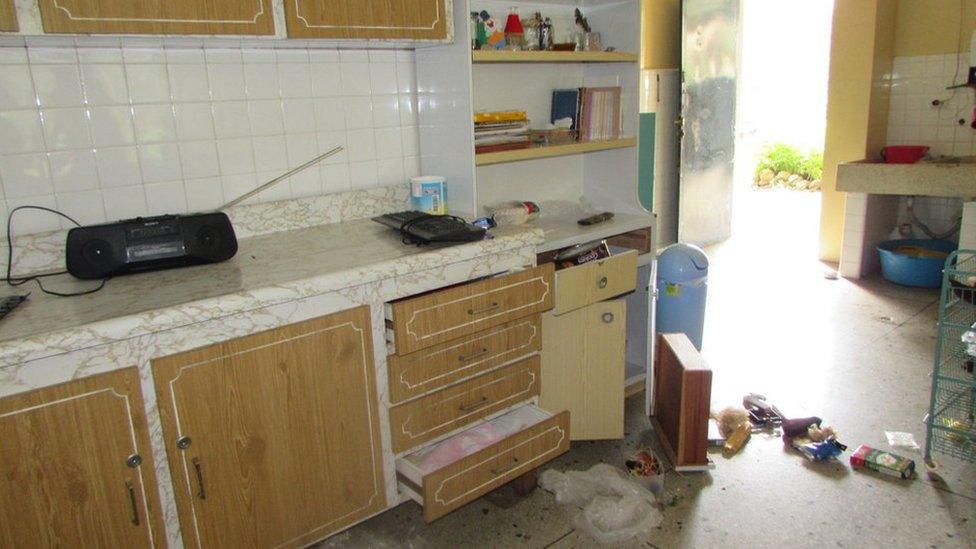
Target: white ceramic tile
x=189, y=82
x=281, y=191
x=105, y=84
x=143, y=55
x=25, y=175
x=361, y=145
x=383, y=78
x=299, y=115
x=353, y=56
x=203, y=194
x=65, y=128
x=164, y=198
x=301, y=148
x=221, y=55
x=258, y=55
x=159, y=162
x=230, y=119
x=194, y=121
x=326, y=79
x=323, y=56
x=306, y=183
x=107, y=54
x=73, y=171
x=179, y=55
x=330, y=140
x=294, y=80
x=147, y=83
x=261, y=81
x=362, y=175
x=389, y=143
x=154, y=123
x=355, y=78
x=270, y=153
x=226, y=82
x=86, y=207
x=118, y=167
x=125, y=202
x=285, y=55
x=33, y=221
x=406, y=77
x=335, y=177
x=411, y=167
x=234, y=186
x=57, y=85
x=358, y=112
x=265, y=117
x=236, y=156
x=386, y=111
x=13, y=55
x=329, y=114
x=408, y=110
x=199, y=159
x=410, y=141
x=51, y=55
x=389, y=171
x=21, y=132
x=16, y=88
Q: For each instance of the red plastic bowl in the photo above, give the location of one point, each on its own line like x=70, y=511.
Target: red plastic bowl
x=903, y=154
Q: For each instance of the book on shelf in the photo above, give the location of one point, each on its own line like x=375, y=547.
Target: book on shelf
x=595, y=111
x=503, y=130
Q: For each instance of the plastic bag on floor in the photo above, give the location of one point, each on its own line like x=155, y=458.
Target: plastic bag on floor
x=615, y=508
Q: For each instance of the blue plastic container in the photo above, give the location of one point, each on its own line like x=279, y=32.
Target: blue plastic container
x=912, y=270
x=682, y=286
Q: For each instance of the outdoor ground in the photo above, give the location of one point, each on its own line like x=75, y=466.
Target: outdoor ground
x=856, y=353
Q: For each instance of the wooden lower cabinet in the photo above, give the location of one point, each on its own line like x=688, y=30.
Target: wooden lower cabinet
x=76, y=469
x=273, y=439
x=583, y=368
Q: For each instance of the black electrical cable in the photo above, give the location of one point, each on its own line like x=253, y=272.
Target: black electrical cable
x=17, y=281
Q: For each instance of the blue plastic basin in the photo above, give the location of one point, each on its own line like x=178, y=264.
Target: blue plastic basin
x=911, y=270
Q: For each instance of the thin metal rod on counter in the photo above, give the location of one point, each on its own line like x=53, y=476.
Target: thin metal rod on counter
x=280, y=178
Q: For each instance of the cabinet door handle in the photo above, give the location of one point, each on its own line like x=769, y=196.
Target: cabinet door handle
x=608, y=318
x=202, y=494
x=503, y=470
x=474, y=355
x=602, y=283
x=483, y=310
x=132, y=502
x=474, y=405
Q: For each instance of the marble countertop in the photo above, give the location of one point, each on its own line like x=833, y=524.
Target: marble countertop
x=560, y=232
x=948, y=179
x=267, y=269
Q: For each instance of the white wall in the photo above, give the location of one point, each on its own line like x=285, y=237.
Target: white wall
x=105, y=133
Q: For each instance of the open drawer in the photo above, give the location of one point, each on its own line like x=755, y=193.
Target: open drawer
x=595, y=281
x=460, y=469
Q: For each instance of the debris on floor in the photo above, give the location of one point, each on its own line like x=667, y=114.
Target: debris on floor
x=735, y=428
x=881, y=461
x=762, y=414
x=646, y=468
x=615, y=508
x=819, y=451
x=898, y=439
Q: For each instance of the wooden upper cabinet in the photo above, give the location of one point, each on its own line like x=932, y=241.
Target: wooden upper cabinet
x=273, y=438
x=367, y=19
x=8, y=16
x=76, y=469
x=157, y=16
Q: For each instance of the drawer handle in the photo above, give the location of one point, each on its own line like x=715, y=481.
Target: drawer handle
x=502, y=470
x=483, y=310
x=608, y=317
x=202, y=494
x=474, y=355
x=474, y=405
x=132, y=502
x=602, y=283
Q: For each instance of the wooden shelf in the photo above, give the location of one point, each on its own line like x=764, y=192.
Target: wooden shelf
x=504, y=56
x=485, y=159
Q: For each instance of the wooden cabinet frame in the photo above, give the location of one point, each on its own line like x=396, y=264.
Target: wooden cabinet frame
x=156, y=17
x=367, y=19
x=8, y=16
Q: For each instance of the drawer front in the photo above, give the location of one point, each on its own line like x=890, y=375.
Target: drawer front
x=427, y=320
x=429, y=417
x=468, y=479
x=577, y=287
x=441, y=365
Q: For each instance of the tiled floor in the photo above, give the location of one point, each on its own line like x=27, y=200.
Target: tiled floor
x=857, y=354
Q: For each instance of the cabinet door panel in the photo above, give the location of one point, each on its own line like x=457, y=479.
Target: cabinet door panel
x=64, y=481
x=377, y=19
x=284, y=442
x=157, y=16
x=8, y=16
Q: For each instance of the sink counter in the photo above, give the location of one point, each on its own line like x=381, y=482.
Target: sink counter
x=946, y=179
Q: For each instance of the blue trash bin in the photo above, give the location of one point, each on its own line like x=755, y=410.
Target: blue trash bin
x=682, y=285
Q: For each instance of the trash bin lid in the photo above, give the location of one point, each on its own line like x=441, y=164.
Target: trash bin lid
x=682, y=262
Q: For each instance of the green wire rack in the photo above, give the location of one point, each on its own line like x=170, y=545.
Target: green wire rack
x=951, y=421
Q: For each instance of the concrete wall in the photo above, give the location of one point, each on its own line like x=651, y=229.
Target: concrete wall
x=862, y=49
x=931, y=27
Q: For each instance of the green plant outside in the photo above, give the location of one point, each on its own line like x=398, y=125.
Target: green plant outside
x=780, y=157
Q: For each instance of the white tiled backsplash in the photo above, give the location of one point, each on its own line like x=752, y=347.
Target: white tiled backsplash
x=110, y=133
x=913, y=120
